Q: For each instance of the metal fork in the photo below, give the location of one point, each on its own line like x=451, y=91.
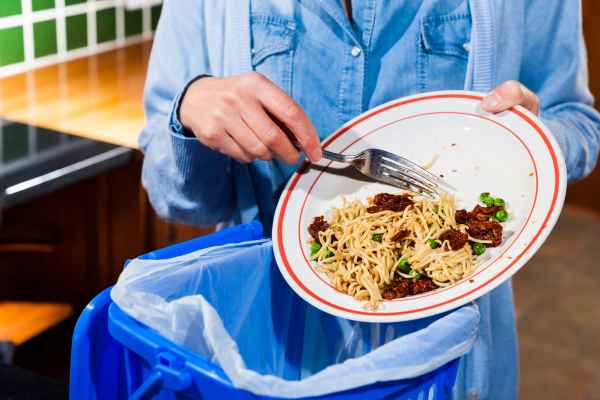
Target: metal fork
x=394, y=170
x=386, y=167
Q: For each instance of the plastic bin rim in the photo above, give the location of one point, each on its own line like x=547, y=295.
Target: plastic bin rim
x=148, y=343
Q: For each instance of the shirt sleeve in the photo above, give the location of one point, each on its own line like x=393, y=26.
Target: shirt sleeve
x=185, y=180
x=555, y=67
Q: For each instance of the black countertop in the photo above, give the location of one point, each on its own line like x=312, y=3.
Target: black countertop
x=36, y=161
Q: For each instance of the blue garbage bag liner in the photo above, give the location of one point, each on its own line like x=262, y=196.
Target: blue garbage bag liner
x=231, y=305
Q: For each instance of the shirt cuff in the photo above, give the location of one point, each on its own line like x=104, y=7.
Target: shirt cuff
x=175, y=121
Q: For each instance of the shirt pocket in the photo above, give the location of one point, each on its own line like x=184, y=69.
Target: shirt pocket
x=273, y=39
x=444, y=44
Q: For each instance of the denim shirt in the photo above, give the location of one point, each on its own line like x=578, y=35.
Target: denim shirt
x=336, y=70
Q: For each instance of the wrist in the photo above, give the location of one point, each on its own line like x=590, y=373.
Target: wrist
x=181, y=117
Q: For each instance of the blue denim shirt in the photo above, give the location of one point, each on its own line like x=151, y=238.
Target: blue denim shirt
x=336, y=70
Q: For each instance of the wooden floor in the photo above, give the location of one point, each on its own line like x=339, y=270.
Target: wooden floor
x=558, y=317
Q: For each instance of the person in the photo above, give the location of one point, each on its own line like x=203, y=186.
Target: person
x=227, y=79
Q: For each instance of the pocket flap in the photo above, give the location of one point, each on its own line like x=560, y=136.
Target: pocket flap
x=447, y=35
x=270, y=35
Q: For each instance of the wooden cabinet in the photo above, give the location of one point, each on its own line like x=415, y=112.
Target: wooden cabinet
x=69, y=245
x=586, y=192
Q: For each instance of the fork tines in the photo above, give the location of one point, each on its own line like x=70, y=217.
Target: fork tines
x=410, y=175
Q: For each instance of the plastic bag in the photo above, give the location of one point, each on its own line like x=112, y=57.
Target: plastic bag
x=231, y=305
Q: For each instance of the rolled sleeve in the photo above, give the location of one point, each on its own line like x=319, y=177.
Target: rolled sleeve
x=576, y=130
x=175, y=119
x=561, y=81
x=185, y=180
x=175, y=124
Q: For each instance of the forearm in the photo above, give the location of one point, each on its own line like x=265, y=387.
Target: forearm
x=576, y=127
x=555, y=68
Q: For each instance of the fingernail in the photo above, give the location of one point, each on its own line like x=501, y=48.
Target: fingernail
x=491, y=102
x=316, y=154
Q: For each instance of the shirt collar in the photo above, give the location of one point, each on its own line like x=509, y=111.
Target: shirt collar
x=335, y=10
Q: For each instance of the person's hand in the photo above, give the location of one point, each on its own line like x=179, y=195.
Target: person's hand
x=245, y=117
x=508, y=94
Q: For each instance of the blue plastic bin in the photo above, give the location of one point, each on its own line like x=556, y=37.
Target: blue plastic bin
x=115, y=357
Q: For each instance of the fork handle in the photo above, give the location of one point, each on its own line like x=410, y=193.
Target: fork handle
x=331, y=156
x=328, y=155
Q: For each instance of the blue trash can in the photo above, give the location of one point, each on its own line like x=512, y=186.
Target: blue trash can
x=114, y=356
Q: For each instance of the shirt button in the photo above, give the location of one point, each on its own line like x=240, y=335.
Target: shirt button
x=355, y=51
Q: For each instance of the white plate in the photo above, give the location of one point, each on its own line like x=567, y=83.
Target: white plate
x=512, y=155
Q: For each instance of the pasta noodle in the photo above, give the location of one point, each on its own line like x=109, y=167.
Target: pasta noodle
x=368, y=250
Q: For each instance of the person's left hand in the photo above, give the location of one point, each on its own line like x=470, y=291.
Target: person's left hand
x=508, y=94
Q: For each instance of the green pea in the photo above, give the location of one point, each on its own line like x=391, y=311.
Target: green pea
x=436, y=209
x=378, y=237
x=414, y=274
x=478, y=248
x=486, y=199
x=432, y=243
x=494, y=219
x=314, y=248
x=404, y=265
x=499, y=202
x=329, y=254
x=501, y=215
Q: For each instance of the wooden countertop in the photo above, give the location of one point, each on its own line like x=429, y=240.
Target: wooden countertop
x=97, y=97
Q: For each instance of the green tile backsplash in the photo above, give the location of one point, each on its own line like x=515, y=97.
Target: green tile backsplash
x=44, y=38
x=133, y=22
x=77, y=31
x=10, y=7
x=155, y=14
x=15, y=51
x=106, y=25
x=38, y=5
x=38, y=32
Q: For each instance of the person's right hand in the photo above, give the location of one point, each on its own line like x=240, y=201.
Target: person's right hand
x=243, y=116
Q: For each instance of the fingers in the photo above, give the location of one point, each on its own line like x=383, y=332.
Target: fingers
x=215, y=137
x=531, y=101
x=247, y=139
x=248, y=117
x=268, y=132
x=288, y=112
x=509, y=94
x=228, y=146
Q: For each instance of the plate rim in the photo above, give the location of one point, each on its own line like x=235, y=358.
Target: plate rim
x=538, y=238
